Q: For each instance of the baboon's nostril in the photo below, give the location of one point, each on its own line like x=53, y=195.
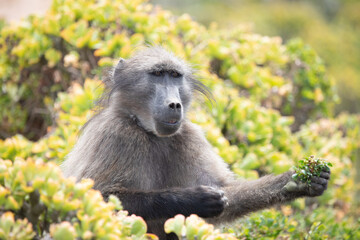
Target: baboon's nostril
x=175, y=106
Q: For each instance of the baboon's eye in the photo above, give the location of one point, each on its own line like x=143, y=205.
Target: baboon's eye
x=175, y=74
x=157, y=73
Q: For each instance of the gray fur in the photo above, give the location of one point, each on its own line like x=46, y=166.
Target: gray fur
x=124, y=152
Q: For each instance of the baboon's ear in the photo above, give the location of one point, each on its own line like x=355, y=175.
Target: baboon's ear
x=111, y=73
x=120, y=64
x=117, y=69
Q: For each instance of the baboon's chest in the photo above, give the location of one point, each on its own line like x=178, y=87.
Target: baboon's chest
x=174, y=171
x=167, y=163
x=165, y=169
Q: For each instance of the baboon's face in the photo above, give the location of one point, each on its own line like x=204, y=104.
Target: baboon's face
x=169, y=99
x=157, y=95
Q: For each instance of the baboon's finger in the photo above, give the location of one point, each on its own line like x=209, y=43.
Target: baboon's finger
x=316, y=189
x=325, y=175
x=319, y=180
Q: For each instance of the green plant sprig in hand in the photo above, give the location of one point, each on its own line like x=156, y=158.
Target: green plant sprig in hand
x=309, y=167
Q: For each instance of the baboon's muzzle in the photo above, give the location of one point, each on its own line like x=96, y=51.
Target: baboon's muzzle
x=169, y=116
x=170, y=120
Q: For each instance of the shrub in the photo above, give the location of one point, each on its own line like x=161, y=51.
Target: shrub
x=273, y=107
x=50, y=204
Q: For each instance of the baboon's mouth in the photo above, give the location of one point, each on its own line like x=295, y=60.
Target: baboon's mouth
x=171, y=122
x=167, y=126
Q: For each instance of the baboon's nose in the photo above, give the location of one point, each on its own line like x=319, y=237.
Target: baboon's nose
x=175, y=106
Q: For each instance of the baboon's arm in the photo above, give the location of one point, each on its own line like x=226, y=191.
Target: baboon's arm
x=248, y=196
x=162, y=204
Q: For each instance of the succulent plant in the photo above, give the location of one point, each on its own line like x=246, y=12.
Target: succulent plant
x=309, y=167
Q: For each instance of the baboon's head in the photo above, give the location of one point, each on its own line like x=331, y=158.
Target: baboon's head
x=155, y=88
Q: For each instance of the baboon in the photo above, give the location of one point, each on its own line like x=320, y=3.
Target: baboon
x=141, y=148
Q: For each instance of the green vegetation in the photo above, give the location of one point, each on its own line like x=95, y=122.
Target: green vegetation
x=331, y=27
x=193, y=228
x=47, y=203
x=310, y=167
x=274, y=105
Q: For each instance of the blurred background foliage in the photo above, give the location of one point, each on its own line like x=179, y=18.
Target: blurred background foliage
x=331, y=27
x=275, y=104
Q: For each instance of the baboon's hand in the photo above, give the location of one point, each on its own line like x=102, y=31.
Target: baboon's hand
x=316, y=188
x=208, y=201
